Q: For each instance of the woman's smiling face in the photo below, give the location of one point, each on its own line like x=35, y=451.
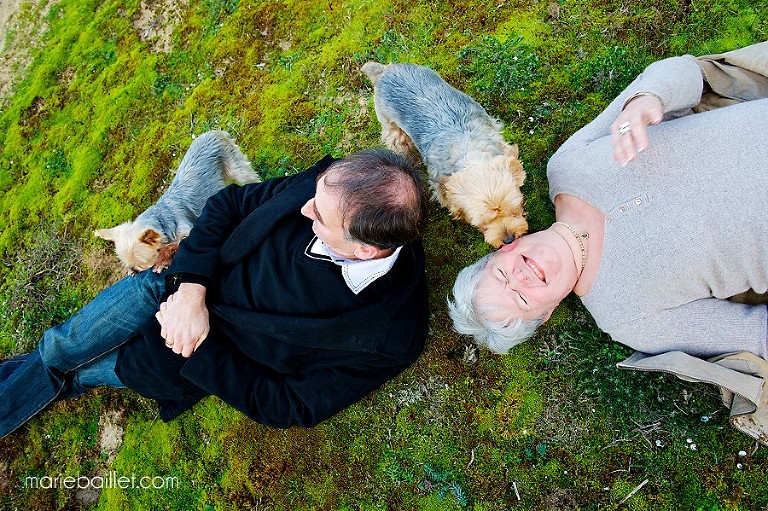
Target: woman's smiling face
x=528, y=278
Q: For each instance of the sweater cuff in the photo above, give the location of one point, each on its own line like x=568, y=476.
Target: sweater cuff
x=201, y=364
x=174, y=280
x=638, y=94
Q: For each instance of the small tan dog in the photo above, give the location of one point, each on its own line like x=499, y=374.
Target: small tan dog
x=473, y=171
x=152, y=239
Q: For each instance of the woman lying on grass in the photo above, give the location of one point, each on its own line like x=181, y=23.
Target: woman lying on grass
x=660, y=208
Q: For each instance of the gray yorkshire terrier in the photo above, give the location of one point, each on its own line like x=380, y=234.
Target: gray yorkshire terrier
x=152, y=239
x=472, y=170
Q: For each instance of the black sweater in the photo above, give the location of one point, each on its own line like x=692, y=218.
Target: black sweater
x=289, y=343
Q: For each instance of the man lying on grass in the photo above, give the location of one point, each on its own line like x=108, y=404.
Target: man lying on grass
x=290, y=300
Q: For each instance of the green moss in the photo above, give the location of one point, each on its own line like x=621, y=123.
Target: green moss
x=98, y=122
x=609, y=71
x=500, y=68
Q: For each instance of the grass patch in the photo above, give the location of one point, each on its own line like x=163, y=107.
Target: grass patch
x=98, y=121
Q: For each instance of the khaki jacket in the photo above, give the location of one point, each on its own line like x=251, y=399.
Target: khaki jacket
x=734, y=77
x=729, y=78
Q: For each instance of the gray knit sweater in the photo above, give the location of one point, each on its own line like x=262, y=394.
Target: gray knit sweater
x=685, y=223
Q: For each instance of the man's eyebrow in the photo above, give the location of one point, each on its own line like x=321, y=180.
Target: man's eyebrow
x=317, y=212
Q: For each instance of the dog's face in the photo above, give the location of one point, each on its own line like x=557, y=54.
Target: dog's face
x=486, y=194
x=136, y=247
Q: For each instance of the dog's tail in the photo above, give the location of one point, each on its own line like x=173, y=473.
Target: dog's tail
x=236, y=166
x=373, y=70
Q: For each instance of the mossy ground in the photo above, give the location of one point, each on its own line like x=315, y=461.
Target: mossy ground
x=98, y=120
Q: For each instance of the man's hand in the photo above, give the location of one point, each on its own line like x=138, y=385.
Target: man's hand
x=183, y=319
x=628, y=133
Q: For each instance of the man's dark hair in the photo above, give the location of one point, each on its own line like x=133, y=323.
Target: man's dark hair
x=382, y=198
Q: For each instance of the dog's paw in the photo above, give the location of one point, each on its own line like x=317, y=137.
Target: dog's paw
x=165, y=256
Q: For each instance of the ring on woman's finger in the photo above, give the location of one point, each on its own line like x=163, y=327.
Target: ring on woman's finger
x=624, y=128
x=168, y=344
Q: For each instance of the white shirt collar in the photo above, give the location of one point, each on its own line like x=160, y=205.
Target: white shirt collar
x=358, y=274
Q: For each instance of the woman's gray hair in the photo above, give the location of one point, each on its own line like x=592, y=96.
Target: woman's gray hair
x=469, y=319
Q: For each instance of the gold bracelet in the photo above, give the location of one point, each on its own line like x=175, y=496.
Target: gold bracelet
x=638, y=94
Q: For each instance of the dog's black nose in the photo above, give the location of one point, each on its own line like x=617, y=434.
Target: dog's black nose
x=509, y=239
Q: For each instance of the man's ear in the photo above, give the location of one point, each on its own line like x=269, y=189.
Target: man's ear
x=365, y=252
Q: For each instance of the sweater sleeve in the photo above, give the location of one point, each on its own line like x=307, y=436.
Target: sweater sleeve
x=283, y=400
x=198, y=255
x=705, y=327
x=678, y=81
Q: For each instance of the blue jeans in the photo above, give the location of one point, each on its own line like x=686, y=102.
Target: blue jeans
x=79, y=354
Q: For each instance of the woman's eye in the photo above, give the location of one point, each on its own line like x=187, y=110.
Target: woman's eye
x=525, y=302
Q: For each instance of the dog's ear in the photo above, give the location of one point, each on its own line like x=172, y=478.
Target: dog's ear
x=150, y=237
x=512, y=151
x=441, y=190
x=455, y=195
x=107, y=234
x=516, y=168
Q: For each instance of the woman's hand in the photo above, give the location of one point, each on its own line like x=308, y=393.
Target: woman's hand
x=183, y=319
x=628, y=133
